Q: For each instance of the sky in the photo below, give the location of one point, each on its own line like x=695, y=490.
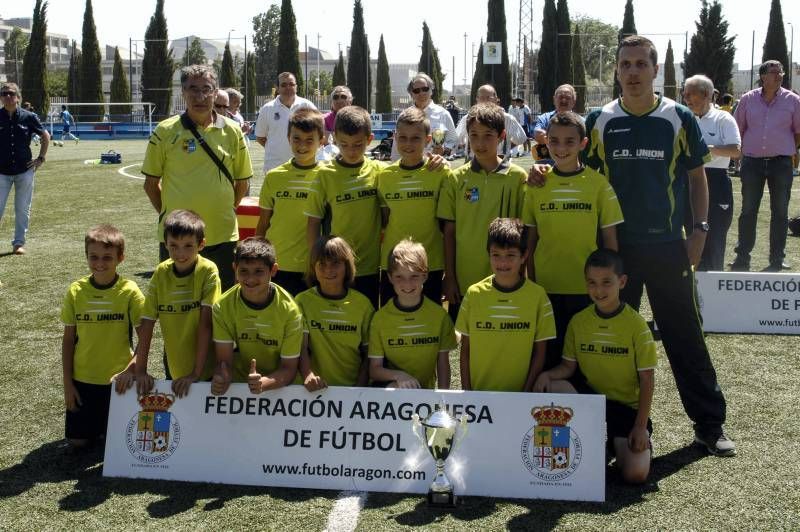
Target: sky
x=401, y=23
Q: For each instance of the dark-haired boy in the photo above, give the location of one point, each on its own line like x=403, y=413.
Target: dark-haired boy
x=283, y=197
x=614, y=349
x=260, y=319
x=481, y=190
x=506, y=319
x=101, y=309
x=180, y=295
x=564, y=218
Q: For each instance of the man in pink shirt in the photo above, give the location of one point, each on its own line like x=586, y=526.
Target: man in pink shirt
x=769, y=122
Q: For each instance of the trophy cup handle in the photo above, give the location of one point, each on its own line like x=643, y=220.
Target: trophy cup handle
x=462, y=431
x=416, y=428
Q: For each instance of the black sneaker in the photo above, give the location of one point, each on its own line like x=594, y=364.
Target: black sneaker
x=716, y=445
x=739, y=266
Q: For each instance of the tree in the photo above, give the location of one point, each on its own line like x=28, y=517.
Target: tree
x=500, y=75
x=479, y=77
x=34, y=66
x=670, y=86
x=73, y=74
x=288, y=58
x=120, y=90
x=91, y=74
x=251, y=84
x=358, y=71
x=339, y=75
x=57, y=83
x=383, y=89
x=16, y=44
x=227, y=75
x=578, y=74
x=775, y=42
x=266, y=27
x=157, y=64
x=598, y=41
x=545, y=80
x=564, y=44
x=194, y=55
x=711, y=51
x=325, y=85
x=628, y=28
x=429, y=62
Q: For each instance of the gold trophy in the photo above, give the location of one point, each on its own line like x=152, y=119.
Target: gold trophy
x=438, y=135
x=441, y=434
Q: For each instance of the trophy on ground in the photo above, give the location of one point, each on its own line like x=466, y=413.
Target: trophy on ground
x=441, y=434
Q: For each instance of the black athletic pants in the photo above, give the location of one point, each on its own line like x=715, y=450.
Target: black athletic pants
x=663, y=268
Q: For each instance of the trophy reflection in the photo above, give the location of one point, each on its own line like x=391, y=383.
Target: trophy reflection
x=438, y=136
x=441, y=434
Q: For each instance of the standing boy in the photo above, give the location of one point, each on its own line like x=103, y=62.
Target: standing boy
x=563, y=219
x=408, y=192
x=483, y=189
x=101, y=310
x=410, y=336
x=284, y=195
x=260, y=319
x=615, y=351
x=506, y=319
x=180, y=295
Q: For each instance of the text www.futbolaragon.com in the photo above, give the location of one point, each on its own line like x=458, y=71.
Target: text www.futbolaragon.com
x=341, y=470
x=779, y=323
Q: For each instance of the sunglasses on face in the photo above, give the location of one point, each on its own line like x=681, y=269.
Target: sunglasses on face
x=417, y=90
x=339, y=96
x=220, y=106
x=8, y=93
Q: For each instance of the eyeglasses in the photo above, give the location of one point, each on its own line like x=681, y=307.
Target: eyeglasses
x=775, y=72
x=220, y=106
x=417, y=90
x=200, y=92
x=339, y=96
x=8, y=93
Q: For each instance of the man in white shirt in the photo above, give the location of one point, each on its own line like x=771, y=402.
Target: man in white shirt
x=515, y=135
x=273, y=121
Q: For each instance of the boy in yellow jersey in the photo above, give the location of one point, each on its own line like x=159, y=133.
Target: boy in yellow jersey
x=410, y=336
x=563, y=218
x=345, y=190
x=180, y=295
x=259, y=318
x=506, y=319
x=480, y=191
x=284, y=195
x=100, y=310
x=408, y=192
x=336, y=319
x=614, y=349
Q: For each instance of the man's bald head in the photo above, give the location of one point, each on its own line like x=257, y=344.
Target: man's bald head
x=486, y=94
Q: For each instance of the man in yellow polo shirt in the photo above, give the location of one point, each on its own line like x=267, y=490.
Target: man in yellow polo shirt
x=180, y=174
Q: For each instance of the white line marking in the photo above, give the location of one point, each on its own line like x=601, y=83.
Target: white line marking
x=344, y=514
x=122, y=171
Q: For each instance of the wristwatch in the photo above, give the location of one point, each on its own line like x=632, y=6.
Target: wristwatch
x=41, y=158
x=703, y=226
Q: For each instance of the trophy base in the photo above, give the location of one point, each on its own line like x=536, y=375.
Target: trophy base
x=442, y=499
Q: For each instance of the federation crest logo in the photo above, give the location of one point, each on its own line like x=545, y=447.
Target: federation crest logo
x=153, y=433
x=551, y=449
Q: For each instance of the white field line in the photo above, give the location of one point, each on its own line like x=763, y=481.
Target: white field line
x=122, y=171
x=344, y=515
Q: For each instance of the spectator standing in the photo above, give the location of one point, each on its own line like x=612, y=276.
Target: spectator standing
x=420, y=88
x=341, y=97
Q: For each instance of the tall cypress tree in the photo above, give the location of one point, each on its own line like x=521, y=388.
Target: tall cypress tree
x=564, y=48
x=578, y=74
x=358, y=71
x=429, y=62
x=227, y=75
x=711, y=51
x=339, y=73
x=670, y=86
x=34, y=67
x=73, y=74
x=775, y=42
x=120, y=90
x=545, y=60
x=479, y=77
x=496, y=32
x=91, y=74
x=250, y=85
x=383, y=85
x=157, y=64
x=628, y=28
x=288, y=58
x=265, y=41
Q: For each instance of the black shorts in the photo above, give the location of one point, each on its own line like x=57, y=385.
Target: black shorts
x=90, y=420
x=620, y=418
x=292, y=282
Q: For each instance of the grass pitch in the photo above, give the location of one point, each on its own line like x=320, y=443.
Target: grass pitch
x=41, y=487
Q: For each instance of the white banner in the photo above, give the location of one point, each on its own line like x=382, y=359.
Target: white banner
x=520, y=445
x=733, y=302
x=492, y=53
